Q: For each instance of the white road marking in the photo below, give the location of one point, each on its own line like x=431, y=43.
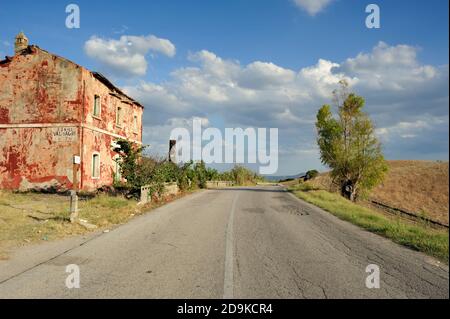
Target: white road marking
x=228, y=289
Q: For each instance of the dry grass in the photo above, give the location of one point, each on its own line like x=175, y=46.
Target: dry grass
x=27, y=218
x=30, y=217
x=420, y=187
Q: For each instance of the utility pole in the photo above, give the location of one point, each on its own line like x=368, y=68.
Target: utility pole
x=172, y=151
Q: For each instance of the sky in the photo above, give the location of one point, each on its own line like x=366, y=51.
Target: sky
x=261, y=64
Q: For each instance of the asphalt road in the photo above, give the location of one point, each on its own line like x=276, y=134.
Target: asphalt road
x=256, y=242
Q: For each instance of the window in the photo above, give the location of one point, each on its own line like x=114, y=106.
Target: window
x=117, y=173
x=97, y=105
x=135, y=124
x=96, y=165
x=119, y=116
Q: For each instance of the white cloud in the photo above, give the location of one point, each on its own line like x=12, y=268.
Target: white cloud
x=423, y=138
x=157, y=136
x=388, y=67
x=261, y=75
x=216, y=66
x=407, y=100
x=410, y=129
x=127, y=56
x=260, y=92
x=313, y=7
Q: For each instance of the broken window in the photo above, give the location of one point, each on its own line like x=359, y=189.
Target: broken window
x=119, y=116
x=135, y=123
x=97, y=105
x=117, y=172
x=95, y=165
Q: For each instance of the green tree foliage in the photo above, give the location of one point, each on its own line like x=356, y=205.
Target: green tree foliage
x=196, y=174
x=139, y=170
x=243, y=176
x=131, y=165
x=311, y=174
x=348, y=145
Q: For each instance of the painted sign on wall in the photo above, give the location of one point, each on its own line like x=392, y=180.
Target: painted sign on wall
x=64, y=134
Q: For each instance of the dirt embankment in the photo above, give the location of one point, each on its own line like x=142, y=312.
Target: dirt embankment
x=420, y=187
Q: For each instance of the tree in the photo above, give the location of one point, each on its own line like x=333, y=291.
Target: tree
x=131, y=162
x=311, y=174
x=212, y=174
x=139, y=170
x=201, y=174
x=349, y=146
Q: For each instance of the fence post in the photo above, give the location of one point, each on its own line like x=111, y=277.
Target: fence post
x=144, y=194
x=73, y=206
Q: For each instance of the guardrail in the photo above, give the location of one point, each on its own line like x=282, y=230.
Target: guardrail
x=268, y=184
x=169, y=189
x=219, y=184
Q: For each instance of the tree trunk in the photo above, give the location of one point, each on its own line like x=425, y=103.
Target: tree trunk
x=353, y=195
x=348, y=190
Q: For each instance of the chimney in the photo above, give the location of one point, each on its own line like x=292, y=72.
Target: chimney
x=21, y=43
x=172, y=151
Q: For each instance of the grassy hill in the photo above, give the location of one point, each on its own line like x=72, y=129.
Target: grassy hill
x=420, y=187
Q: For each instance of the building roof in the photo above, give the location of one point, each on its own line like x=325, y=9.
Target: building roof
x=112, y=87
x=100, y=77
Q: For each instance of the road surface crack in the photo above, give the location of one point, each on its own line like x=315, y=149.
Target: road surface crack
x=307, y=281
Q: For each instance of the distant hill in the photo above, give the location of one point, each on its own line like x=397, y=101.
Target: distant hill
x=283, y=178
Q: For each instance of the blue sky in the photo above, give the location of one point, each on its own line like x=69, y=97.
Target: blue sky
x=249, y=40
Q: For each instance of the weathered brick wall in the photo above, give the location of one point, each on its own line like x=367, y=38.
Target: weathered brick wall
x=109, y=103
x=46, y=117
x=37, y=158
x=99, y=143
x=100, y=131
x=40, y=100
x=40, y=88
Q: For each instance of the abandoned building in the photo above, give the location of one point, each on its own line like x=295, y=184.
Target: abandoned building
x=59, y=122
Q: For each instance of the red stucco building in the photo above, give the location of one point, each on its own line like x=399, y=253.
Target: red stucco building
x=58, y=121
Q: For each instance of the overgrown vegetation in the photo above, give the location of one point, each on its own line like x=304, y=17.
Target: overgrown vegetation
x=420, y=237
x=311, y=174
x=138, y=170
x=348, y=145
x=240, y=176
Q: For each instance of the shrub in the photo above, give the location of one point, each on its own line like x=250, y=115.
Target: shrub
x=311, y=174
x=139, y=170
